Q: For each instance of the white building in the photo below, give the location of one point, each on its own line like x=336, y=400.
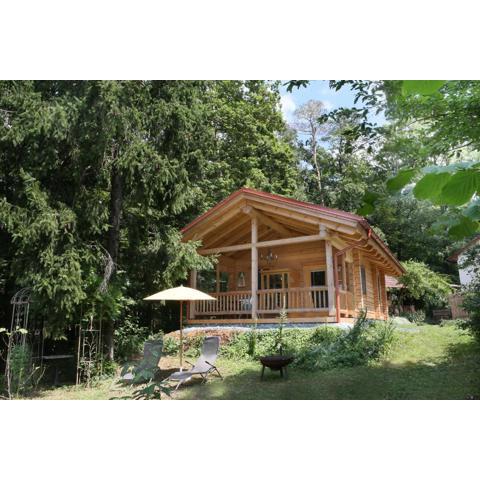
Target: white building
x=465, y=273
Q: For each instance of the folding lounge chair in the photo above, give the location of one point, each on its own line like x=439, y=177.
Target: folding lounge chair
x=148, y=367
x=203, y=366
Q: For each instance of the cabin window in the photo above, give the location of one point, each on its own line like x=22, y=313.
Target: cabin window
x=207, y=281
x=363, y=278
x=318, y=278
x=223, y=282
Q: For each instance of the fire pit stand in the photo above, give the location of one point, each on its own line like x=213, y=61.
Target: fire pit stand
x=276, y=362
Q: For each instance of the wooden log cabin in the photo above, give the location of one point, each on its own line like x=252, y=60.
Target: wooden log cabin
x=320, y=264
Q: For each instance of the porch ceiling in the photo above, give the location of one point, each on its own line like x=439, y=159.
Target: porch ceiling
x=238, y=230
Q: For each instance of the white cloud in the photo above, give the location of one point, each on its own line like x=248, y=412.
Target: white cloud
x=288, y=106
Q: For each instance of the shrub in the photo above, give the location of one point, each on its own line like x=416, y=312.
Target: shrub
x=192, y=345
x=294, y=341
x=423, y=287
x=170, y=345
x=455, y=322
x=366, y=341
x=153, y=390
x=323, y=347
x=109, y=368
x=20, y=362
x=418, y=317
x=129, y=340
x=258, y=343
x=23, y=374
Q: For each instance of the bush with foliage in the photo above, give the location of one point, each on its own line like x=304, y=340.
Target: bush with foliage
x=417, y=317
x=22, y=376
x=293, y=341
x=170, y=345
x=365, y=342
x=129, y=339
x=319, y=348
x=423, y=287
x=153, y=390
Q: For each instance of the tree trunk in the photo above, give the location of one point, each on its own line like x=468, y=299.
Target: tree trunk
x=113, y=242
x=317, y=166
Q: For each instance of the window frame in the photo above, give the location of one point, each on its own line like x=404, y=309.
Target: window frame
x=363, y=280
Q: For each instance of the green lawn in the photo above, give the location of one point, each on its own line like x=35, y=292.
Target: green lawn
x=428, y=362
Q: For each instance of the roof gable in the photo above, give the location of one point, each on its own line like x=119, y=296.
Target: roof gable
x=226, y=221
x=257, y=195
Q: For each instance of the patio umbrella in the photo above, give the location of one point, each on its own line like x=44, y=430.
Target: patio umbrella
x=182, y=294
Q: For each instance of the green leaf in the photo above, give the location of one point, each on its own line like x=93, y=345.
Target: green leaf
x=460, y=188
x=452, y=168
x=473, y=210
x=430, y=186
x=370, y=197
x=464, y=228
x=365, y=209
x=368, y=205
x=402, y=178
x=421, y=87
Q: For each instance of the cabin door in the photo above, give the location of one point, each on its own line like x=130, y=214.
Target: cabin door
x=318, y=278
x=276, y=281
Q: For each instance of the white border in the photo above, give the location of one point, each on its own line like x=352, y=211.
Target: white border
x=216, y=39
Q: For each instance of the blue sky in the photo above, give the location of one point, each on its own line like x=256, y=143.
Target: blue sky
x=317, y=90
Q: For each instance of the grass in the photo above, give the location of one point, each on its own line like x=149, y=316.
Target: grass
x=427, y=362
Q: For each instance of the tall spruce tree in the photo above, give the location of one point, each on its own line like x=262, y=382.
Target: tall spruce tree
x=97, y=177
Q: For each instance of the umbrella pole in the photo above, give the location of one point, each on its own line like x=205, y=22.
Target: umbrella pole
x=181, y=335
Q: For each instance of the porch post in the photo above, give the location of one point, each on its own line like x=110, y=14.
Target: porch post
x=193, y=284
x=254, y=267
x=376, y=293
x=330, y=278
x=384, y=295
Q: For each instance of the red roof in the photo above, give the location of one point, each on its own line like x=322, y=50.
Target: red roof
x=471, y=243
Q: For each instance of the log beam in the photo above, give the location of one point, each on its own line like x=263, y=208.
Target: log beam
x=267, y=243
x=330, y=277
x=266, y=220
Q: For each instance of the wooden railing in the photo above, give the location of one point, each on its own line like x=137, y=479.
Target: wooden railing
x=227, y=303
x=293, y=299
x=269, y=301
